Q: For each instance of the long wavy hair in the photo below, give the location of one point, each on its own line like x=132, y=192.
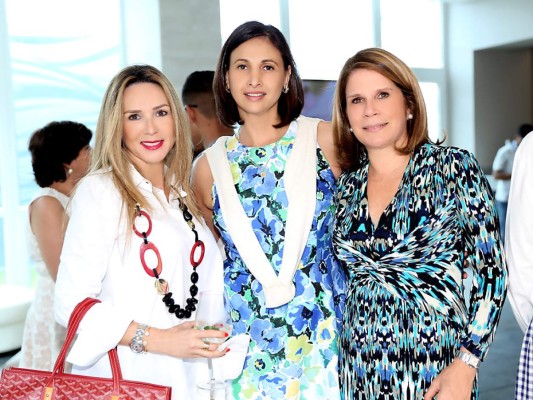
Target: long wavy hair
x=290, y=104
x=110, y=153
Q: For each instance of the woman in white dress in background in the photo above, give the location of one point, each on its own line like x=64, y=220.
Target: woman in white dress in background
x=60, y=156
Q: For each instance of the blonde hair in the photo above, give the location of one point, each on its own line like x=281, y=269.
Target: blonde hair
x=110, y=154
x=350, y=150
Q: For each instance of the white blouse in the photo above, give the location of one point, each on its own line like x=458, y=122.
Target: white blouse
x=519, y=234
x=100, y=258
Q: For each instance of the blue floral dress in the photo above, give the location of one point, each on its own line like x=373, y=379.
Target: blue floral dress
x=406, y=314
x=294, y=349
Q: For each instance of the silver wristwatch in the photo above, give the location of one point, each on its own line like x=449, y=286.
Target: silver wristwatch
x=468, y=358
x=137, y=343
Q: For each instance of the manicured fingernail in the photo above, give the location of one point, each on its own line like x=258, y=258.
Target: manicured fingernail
x=227, y=350
x=226, y=334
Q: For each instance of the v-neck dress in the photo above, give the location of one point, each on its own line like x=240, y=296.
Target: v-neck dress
x=293, y=351
x=406, y=315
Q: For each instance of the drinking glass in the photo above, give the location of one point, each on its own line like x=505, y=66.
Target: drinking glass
x=212, y=314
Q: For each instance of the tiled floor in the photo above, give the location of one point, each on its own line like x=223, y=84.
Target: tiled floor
x=497, y=373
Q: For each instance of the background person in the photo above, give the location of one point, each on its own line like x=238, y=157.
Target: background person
x=199, y=100
x=502, y=167
x=60, y=156
x=274, y=193
x=136, y=197
x=409, y=213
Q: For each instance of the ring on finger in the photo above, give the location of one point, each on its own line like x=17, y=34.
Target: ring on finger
x=205, y=347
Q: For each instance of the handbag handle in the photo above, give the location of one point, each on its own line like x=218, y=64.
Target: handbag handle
x=73, y=323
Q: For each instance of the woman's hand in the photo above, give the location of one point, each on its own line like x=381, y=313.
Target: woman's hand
x=455, y=382
x=183, y=341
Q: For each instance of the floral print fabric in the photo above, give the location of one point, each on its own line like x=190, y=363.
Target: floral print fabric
x=293, y=351
x=406, y=314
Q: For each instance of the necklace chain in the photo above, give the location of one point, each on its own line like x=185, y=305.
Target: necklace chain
x=160, y=284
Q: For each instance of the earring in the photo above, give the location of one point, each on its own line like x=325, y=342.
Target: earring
x=351, y=130
x=69, y=172
x=410, y=116
x=285, y=89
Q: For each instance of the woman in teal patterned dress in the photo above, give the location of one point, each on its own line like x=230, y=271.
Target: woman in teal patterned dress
x=270, y=191
x=411, y=214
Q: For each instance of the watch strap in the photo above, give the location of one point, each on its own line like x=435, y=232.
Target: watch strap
x=468, y=358
x=137, y=344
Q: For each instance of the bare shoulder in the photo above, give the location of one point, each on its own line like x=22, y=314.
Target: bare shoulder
x=46, y=205
x=47, y=212
x=202, y=180
x=327, y=144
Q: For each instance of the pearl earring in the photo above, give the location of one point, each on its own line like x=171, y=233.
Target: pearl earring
x=351, y=130
x=410, y=116
x=69, y=172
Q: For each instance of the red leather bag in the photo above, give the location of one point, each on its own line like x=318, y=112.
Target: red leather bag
x=30, y=384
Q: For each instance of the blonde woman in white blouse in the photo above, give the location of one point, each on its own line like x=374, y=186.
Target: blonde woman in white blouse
x=136, y=242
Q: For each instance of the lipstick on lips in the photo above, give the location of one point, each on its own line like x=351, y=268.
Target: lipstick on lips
x=152, y=144
x=254, y=95
x=374, y=128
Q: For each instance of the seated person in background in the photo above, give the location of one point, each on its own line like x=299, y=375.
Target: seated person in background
x=60, y=156
x=198, y=98
x=501, y=170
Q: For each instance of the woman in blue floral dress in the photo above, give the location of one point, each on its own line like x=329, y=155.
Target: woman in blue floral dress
x=270, y=192
x=411, y=215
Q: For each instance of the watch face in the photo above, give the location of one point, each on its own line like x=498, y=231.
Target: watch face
x=136, y=347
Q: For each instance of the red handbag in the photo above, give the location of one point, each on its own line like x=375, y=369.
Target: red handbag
x=30, y=384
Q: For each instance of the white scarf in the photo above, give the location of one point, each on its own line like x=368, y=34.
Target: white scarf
x=300, y=184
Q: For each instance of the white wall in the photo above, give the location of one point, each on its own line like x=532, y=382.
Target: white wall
x=503, y=93
x=471, y=26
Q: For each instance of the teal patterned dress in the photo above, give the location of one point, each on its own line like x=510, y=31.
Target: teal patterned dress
x=294, y=349
x=406, y=314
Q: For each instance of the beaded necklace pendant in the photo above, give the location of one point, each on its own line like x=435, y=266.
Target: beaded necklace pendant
x=161, y=285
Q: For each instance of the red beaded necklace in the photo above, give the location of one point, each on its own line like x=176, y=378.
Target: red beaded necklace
x=160, y=284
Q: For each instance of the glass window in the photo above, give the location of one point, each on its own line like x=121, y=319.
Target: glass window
x=60, y=68
x=412, y=30
x=62, y=55
x=2, y=254
x=235, y=12
x=1, y=197
x=431, y=94
x=323, y=38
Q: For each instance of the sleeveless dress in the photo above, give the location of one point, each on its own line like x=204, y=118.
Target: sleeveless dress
x=293, y=351
x=43, y=337
x=406, y=315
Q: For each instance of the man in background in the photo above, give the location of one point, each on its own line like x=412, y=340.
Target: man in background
x=502, y=168
x=197, y=96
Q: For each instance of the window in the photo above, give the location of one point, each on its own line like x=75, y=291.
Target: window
x=235, y=12
x=322, y=38
x=431, y=93
x=412, y=30
x=323, y=35
x=57, y=61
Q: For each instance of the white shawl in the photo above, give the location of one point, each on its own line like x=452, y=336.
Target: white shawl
x=300, y=183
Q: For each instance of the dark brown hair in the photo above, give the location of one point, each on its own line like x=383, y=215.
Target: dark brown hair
x=290, y=104
x=54, y=146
